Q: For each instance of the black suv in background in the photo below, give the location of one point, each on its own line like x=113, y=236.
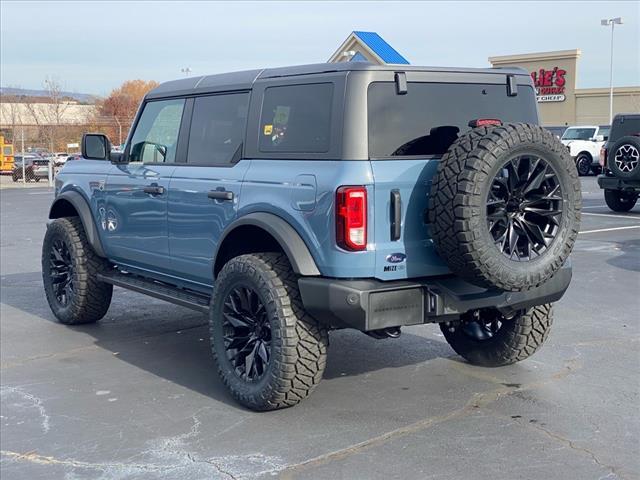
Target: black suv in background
x=620, y=161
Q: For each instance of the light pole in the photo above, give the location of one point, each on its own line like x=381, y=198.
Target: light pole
x=605, y=22
x=187, y=71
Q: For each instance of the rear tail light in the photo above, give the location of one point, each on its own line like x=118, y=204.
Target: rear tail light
x=351, y=218
x=603, y=157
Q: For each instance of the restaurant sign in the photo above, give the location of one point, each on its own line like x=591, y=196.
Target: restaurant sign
x=549, y=84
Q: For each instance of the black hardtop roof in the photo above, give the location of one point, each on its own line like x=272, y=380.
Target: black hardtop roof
x=244, y=80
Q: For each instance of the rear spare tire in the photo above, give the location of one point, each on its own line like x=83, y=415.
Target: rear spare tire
x=624, y=159
x=505, y=206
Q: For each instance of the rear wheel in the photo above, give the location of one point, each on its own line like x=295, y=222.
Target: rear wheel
x=619, y=201
x=487, y=338
x=69, y=273
x=583, y=164
x=270, y=354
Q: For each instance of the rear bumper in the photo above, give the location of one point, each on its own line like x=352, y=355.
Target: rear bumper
x=615, y=183
x=372, y=304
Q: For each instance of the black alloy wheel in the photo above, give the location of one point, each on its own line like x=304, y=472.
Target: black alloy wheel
x=524, y=207
x=247, y=333
x=61, y=271
x=583, y=164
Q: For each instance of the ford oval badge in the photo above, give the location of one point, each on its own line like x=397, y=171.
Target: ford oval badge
x=396, y=257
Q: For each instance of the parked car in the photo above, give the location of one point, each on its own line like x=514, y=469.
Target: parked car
x=620, y=161
x=35, y=168
x=60, y=158
x=584, y=145
x=558, y=131
x=288, y=202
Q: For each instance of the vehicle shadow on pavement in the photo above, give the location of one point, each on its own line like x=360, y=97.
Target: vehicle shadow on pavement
x=629, y=258
x=172, y=342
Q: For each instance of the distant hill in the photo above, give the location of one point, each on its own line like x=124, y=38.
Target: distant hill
x=80, y=97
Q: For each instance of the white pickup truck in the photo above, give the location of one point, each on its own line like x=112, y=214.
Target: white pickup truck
x=584, y=144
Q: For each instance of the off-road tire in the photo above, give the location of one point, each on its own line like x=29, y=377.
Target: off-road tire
x=457, y=207
x=298, y=342
x=583, y=164
x=633, y=144
x=516, y=340
x=91, y=298
x=620, y=201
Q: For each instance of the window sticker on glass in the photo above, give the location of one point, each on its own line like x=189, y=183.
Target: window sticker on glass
x=281, y=116
x=268, y=129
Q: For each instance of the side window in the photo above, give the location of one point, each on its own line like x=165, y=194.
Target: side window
x=296, y=119
x=156, y=135
x=217, y=129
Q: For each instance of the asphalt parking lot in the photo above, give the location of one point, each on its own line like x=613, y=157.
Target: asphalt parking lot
x=136, y=396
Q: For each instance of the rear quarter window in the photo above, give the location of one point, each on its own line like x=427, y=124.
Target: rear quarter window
x=296, y=119
x=431, y=116
x=623, y=127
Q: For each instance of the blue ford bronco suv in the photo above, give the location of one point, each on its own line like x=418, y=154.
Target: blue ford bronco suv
x=289, y=202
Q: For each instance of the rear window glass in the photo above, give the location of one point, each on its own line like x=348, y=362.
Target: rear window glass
x=296, y=119
x=431, y=116
x=623, y=127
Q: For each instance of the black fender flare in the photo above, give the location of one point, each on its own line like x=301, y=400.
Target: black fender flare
x=84, y=212
x=287, y=237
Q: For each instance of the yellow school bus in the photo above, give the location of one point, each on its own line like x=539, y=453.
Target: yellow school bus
x=6, y=157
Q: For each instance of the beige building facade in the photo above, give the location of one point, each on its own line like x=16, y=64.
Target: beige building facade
x=560, y=102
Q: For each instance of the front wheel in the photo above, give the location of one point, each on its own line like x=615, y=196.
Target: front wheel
x=620, y=201
x=69, y=273
x=583, y=164
x=270, y=354
x=489, y=339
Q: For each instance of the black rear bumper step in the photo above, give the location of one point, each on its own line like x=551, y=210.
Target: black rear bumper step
x=369, y=304
x=186, y=298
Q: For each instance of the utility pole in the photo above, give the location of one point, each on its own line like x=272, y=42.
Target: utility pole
x=605, y=22
x=24, y=176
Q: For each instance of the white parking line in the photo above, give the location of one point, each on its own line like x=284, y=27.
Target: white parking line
x=620, y=217
x=594, y=206
x=611, y=229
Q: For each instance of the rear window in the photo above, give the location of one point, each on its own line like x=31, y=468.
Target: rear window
x=431, y=116
x=623, y=127
x=296, y=119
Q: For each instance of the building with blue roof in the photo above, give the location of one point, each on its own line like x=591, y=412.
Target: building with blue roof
x=367, y=47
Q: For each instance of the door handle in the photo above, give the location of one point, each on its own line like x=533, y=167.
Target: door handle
x=220, y=195
x=396, y=215
x=153, y=190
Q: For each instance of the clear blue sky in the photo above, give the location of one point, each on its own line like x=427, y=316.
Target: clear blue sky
x=92, y=47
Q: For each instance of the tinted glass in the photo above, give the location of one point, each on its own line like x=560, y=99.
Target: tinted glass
x=156, y=135
x=428, y=119
x=623, y=126
x=296, y=119
x=604, y=131
x=217, y=129
x=7, y=150
x=579, y=133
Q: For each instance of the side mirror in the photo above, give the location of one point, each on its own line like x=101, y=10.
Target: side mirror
x=95, y=146
x=117, y=157
x=598, y=138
